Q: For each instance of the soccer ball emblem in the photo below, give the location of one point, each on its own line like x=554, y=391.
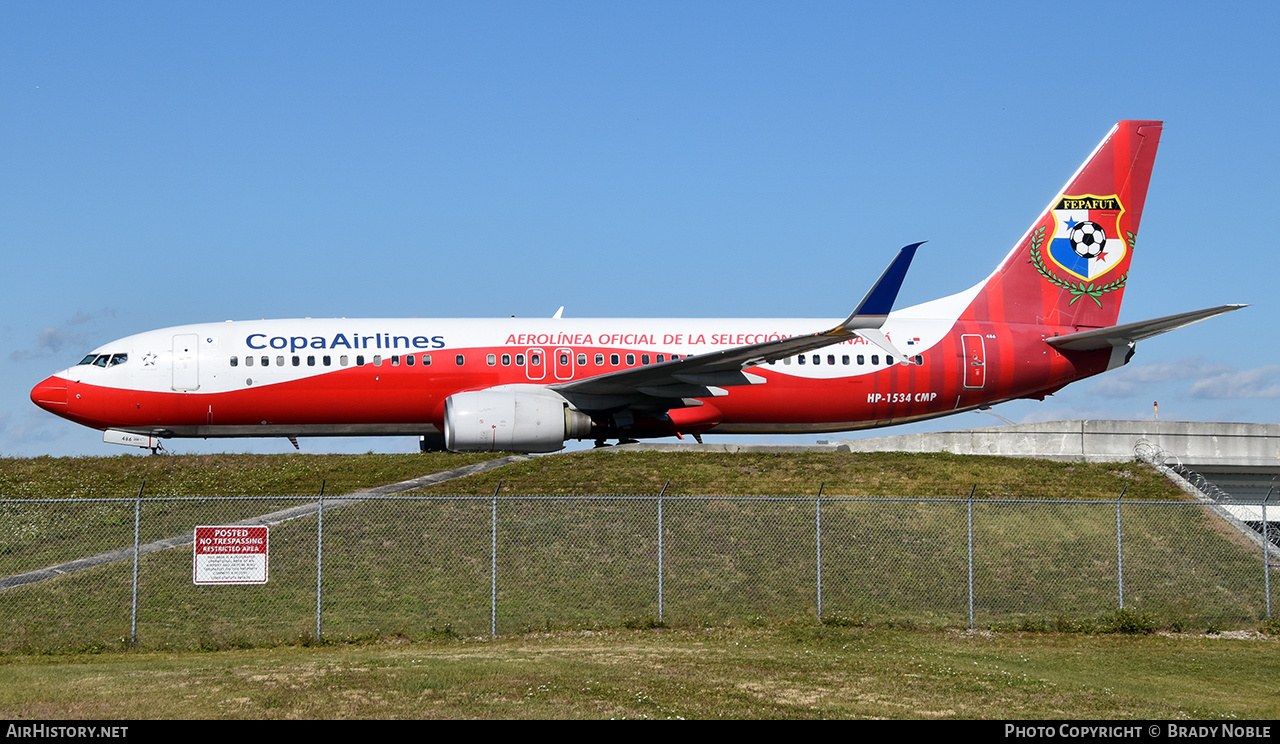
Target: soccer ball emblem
x=1087, y=239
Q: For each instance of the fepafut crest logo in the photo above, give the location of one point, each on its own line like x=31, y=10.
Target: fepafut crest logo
x=1086, y=244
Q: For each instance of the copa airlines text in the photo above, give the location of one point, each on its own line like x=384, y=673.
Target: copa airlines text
x=340, y=341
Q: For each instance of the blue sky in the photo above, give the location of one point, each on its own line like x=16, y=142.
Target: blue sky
x=168, y=163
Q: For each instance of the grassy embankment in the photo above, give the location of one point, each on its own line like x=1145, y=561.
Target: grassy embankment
x=414, y=569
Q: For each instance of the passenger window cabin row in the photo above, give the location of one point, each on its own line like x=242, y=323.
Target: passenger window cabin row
x=491, y=360
x=845, y=360
x=410, y=360
x=343, y=360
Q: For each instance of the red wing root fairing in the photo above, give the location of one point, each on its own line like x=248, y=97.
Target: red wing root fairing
x=1047, y=316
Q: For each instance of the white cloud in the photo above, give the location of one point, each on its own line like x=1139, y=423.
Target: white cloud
x=29, y=432
x=1132, y=381
x=51, y=342
x=1209, y=380
x=1261, y=382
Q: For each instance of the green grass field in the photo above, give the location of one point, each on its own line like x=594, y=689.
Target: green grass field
x=783, y=672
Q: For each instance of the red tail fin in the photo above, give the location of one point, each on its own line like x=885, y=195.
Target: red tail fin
x=1071, y=267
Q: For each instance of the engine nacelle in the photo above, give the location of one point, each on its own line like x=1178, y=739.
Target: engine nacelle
x=519, y=418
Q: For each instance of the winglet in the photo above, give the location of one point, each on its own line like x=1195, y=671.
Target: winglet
x=875, y=307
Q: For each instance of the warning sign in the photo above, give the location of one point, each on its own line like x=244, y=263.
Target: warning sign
x=230, y=555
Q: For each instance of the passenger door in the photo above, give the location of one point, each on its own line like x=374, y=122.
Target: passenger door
x=186, y=361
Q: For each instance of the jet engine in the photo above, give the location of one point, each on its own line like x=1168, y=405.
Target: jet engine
x=519, y=418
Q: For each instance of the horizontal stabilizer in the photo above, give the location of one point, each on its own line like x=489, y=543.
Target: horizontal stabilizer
x=1129, y=333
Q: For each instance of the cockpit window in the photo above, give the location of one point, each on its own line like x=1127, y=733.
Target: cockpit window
x=105, y=360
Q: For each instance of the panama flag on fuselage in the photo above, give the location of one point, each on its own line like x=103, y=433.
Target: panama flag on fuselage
x=1087, y=241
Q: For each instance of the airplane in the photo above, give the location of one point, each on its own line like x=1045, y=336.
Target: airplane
x=1044, y=318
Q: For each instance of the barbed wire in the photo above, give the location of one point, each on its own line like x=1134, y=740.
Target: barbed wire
x=1161, y=459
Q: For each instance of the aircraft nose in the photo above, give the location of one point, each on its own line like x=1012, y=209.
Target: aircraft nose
x=51, y=395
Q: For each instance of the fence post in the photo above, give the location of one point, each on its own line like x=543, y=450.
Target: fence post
x=319, y=553
x=971, y=492
x=137, y=514
x=493, y=570
x=1120, y=547
x=1266, y=552
x=660, y=495
x=818, y=533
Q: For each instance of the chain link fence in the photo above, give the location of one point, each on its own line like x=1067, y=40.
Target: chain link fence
x=91, y=574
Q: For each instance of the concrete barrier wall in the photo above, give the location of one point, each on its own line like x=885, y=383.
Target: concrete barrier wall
x=1196, y=443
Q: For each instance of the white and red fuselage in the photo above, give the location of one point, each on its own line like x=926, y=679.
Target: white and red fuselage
x=1044, y=318
x=310, y=377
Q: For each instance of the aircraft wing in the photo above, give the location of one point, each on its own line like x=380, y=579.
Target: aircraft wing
x=705, y=375
x=1130, y=333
